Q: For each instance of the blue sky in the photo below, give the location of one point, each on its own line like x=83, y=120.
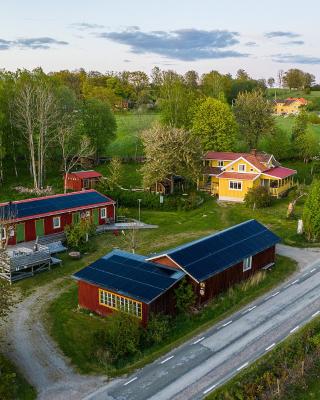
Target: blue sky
x=179, y=34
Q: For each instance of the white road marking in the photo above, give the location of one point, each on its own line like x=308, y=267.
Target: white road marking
x=316, y=313
x=305, y=274
x=312, y=270
x=297, y=280
x=209, y=389
x=242, y=366
x=227, y=323
x=294, y=329
x=270, y=347
x=131, y=380
x=275, y=294
x=248, y=310
x=167, y=359
x=199, y=340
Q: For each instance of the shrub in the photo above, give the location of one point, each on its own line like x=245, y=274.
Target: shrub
x=120, y=339
x=185, y=297
x=126, y=198
x=77, y=235
x=314, y=118
x=258, y=197
x=157, y=330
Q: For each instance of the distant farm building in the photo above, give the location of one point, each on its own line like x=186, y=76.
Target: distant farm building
x=290, y=106
x=140, y=285
x=81, y=180
x=48, y=215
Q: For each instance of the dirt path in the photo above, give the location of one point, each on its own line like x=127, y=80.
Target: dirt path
x=30, y=347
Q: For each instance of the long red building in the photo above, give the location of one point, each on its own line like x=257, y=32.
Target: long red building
x=140, y=285
x=31, y=218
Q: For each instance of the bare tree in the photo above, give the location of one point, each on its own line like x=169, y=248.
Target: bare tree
x=47, y=114
x=73, y=148
x=25, y=120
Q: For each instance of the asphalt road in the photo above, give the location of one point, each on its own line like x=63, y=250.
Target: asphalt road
x=196, y=368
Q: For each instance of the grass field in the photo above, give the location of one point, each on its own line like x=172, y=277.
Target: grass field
x=285, y=93
x=129, y=127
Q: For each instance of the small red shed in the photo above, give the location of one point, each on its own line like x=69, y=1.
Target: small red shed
x=48, y=215
x=81, y=180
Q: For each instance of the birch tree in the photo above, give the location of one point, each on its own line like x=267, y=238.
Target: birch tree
x=73, y=146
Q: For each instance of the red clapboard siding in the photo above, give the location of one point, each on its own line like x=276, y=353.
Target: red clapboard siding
x=65, y=219
x=30, y=230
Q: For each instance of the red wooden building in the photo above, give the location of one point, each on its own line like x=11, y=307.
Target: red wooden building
x=81, y=180
x=48, y=215
x=212, y=264
x=126, y=281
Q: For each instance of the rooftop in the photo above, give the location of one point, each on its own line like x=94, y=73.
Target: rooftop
x=130, y=275
x=215, y=253
x=86, y=174
x=24, y=209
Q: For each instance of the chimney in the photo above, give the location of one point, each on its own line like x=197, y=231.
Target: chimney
x=254, y=152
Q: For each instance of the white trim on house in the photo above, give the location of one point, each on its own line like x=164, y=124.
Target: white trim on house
x=244, y=159
x=54, y=225
x=235, y=182
x=233, y=199
x=103, y=213
x=247, y=264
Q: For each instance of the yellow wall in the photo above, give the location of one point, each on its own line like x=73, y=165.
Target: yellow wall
x=228, y=194
x=214, y=163
x=249, y=168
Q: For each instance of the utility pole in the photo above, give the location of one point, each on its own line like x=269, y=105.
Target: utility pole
x=139, y=202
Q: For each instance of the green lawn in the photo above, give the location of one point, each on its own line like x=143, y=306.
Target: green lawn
x=14, y=386
x=285, y=93
x=74, y=329
x=286, y=124
x=129, y=127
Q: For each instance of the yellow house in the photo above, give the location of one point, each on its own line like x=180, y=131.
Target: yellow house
x=229, y=175
x=289, y=106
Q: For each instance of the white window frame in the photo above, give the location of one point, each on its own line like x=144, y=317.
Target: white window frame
x=103, y=213
x=244, y=168
x=220, y=163
x=235, y=183
x=247, y=264
x=53, y=222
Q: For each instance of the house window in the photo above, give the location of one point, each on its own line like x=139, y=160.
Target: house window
x=121, y=303
x=235, y=185
x=86, y=183
x=220, y=163
x=56, y=222
x=247, y=264
x=103, y=213
x=241, y=167
x=3, y=234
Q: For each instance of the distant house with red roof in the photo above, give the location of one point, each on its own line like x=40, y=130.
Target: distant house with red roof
x=230, y=175
x=81, y=180
x=290, y=106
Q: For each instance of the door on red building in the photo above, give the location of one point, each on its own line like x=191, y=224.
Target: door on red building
x=39, y=227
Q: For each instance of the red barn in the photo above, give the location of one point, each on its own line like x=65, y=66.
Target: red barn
x=48, y=215
x=81, y=180
x=126, y=281
x=140, y=285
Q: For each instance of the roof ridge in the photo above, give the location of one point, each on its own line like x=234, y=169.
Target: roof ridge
x=189, y=244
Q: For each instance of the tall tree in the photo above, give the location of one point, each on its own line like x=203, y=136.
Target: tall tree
x=170, y=151
x=214, y=124
x=176, y=100
x=254, y=114
x=99, y=124
x=271, y=82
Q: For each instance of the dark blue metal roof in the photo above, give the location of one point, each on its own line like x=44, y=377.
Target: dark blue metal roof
x=212, y=254
x=46, y=205
x=130, y=275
